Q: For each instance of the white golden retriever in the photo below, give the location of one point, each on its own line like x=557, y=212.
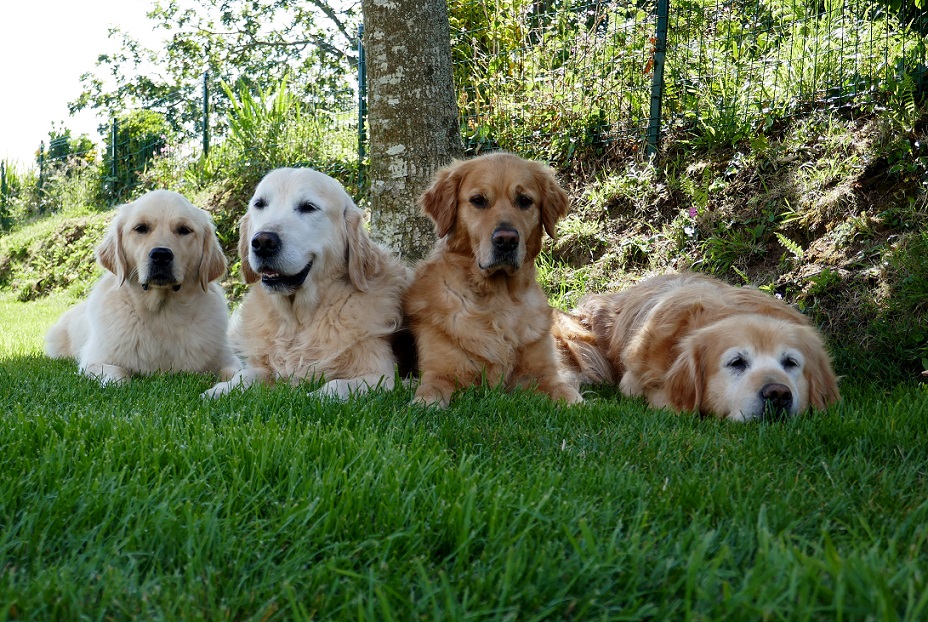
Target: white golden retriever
x=157, y=308
x=692, y=342
x=324, y=300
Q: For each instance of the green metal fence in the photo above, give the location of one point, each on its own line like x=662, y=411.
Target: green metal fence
x=567, y=79
x=734, y=68
x=560, y=79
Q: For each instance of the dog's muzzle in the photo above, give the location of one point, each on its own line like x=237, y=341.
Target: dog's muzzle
x=160, y=268
x=265, y=246
x=505, y=249
x=778, y=401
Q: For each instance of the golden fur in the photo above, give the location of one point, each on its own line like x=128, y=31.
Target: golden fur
x=691, y=342
x=157, y=308
x=579, y=355
x=474, y=307
x=324, y=300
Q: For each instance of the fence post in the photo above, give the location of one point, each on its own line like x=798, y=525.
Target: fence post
x=114, y=165
x=205, y=114
x=657, y=80
x=4, y=198
x=3, y=194
x=362, y=105
x=41, y=181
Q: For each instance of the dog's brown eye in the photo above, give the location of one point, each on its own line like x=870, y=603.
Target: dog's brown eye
x=259, y=204
x=739, y=363
x=524, y=201
x=184, y=230
x=141, y=228
x=478, y=200
x=306, y=207
x=790, y=363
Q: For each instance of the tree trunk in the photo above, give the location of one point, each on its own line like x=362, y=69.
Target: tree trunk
x=412, y=115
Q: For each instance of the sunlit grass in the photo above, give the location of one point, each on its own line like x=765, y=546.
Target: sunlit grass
x=24, y=325
x=145, y=501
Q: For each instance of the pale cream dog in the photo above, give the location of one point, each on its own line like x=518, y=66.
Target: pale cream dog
x=157, y=309
x=324, y=300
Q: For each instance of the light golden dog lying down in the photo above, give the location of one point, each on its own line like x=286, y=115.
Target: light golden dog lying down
x=474, y=307
x=157, y=308
x=324, y=300
x=691, y=342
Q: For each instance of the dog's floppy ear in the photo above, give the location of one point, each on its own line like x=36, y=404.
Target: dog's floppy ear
x=363, y=258
x=244, y=244
x=684, y=381
x=110, y=253
x=554, y=200
x=440, y=201
x=213, y=262
x=823, y=384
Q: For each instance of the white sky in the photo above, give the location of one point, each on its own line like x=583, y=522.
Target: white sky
x=45, y=46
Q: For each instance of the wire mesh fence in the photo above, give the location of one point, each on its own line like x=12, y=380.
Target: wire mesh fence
x=735, y=67
x=560, y=79
x=551, y=79
x=548, y=78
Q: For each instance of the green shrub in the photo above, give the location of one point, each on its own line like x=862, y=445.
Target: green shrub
x=141, y=135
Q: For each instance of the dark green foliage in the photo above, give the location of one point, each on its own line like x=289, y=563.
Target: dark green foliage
x=901, y=329
x=140, y=136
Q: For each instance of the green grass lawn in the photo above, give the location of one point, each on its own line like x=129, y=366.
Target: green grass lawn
x=146, y=501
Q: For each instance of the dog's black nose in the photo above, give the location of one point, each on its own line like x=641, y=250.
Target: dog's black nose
x=265, y=244
x=505, y=239
x=778, y=397
x=161, y=256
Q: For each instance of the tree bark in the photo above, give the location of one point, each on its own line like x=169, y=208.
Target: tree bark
x=412, y=115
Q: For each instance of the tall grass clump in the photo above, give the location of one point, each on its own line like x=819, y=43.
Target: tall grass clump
x=267, y=128
x=272, y=127
x=15, y=186
x=71, y=184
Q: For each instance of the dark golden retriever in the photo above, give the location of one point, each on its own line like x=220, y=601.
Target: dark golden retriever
x=691, y=342
x=474, y=306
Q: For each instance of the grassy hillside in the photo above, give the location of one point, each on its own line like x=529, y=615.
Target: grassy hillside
x=829, y=213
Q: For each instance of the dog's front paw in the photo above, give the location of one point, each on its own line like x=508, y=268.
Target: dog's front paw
x=217, y=390
x=240, y=381
x=106, y=374
x=431, y=396
x=567, y=393
x=333, y=390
